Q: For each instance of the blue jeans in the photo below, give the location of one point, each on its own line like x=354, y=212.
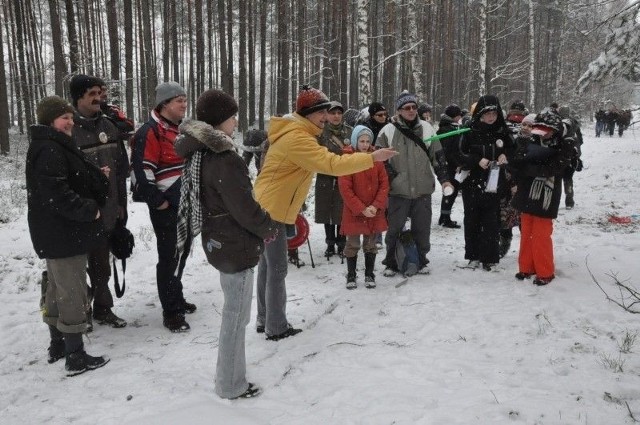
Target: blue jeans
x=271, y=292
x=231, y=368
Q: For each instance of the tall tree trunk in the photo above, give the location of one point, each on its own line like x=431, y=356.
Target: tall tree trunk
x=282, y=101
x=414, y=55
x=114, y=36
x=364, y=64
x=242, y=66
x=200, y=61
x=72, y=35
x=150, y=76
x=251, y=24
x=532, y=57
x=222, y=44
x=4, y=105
x=22, y=63
x=128, y=55
x=482, y=58
x=389, y=49
x=263, y=63
x=230, y=58
x=175, y=47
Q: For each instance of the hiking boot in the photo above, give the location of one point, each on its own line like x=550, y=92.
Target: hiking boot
x=330, y=251
x=424, y=269
x=541, y=281
x=351, y=272
x=448, y=223
x=370, y=281
x=523, y=275
x=107, y=317
x=488, y=266
x=175, y=322
x=252, y=391
x=294, y=258
x=389, y=272
x=56, y=351
x=80, y=362
x=473, y=264
x=291, y=331
x=189, y=308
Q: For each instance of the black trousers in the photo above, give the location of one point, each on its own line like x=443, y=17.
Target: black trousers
x=481, y=225
x=168, y=271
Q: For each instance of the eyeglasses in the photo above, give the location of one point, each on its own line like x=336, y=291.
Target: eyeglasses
x=411, y=107
x=380, y=114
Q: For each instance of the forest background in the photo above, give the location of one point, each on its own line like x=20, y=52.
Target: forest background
x=356, y=51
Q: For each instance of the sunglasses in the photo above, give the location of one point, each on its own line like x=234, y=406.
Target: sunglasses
x=409, y=108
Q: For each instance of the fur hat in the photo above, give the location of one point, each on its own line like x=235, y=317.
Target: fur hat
x=167, y=91
x=404, y=98
x=425, y=107
x=453, y=111
x=376, y=107
x=215, y=107
x=51, y=108
x=79, y=85
x=310, y=100
x=359, y=131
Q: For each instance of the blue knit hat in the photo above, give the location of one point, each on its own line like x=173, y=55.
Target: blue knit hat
x=359, y=131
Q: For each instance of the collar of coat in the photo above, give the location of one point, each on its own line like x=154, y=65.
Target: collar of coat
x=198, y=135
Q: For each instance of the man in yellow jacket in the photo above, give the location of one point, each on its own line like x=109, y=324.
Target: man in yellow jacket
x=282, y=186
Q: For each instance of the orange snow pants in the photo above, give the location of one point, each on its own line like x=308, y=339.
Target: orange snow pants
x=536, y=246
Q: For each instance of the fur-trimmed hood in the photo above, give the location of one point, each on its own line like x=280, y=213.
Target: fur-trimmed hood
x=196, y=135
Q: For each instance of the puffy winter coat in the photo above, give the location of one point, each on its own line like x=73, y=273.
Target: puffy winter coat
x=359, y=190
x=484, y=141
x=64, y=193
x=538, y=170
x=293, y=156
x=328, y=204
x=233, y=223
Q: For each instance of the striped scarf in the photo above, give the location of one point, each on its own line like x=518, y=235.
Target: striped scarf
x=189, y=210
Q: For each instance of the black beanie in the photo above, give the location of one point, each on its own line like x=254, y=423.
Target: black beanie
x=215, y=107
x=79, y=85
x=376, y=107
x=453, y=111
x=51, y=108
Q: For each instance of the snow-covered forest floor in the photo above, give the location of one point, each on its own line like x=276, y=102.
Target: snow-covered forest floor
x=453, y=347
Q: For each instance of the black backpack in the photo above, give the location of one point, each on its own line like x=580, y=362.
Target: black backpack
x=122, y=244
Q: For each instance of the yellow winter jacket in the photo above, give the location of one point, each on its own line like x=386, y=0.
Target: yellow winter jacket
x=293, y=156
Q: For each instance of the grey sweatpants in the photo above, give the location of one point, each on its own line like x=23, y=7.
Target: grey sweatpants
x=231, y=368
x=271, y=292
x=66, y=301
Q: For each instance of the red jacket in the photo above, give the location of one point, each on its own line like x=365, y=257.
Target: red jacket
x=359, y=190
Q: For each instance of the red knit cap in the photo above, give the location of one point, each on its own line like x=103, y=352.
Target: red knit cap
x=311, y=100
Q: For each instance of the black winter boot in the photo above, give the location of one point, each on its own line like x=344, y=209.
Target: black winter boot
x=351, y=272
x=78, y=361
x=369, y=277
x=56, y=347
x=505, y=242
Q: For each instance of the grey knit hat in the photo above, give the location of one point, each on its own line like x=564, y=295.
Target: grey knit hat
x=167, y=91
x=404, y=98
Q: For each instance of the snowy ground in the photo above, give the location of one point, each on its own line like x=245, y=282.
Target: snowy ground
x=455, y=347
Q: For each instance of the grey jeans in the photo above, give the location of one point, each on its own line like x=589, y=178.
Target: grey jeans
x=419, y=210
x=66, y=301
x=271, y=292
x=231, y=368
